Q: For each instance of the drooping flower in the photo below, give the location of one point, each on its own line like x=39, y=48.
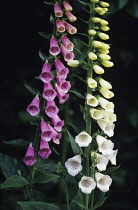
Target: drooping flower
x=46, y=75
x=106, y=93
x=30, y=156
x=63, y=84
x=62, y=71
x=87, y=184
x=71, y=17
x=92, y=56
x=104, y=57
x=108, y=128
x=91, y=82
x=54, y=48
x=103, y=36
x=96, y=114
x=55, y=135
x=101, y=160
x=112, y=156
x=60, y=26
x=108, y=116
x=57, y=10
x=83, y=139
x=67, y=6
x=66, y=53
x=73, y=165
x=33, y=108
x=44, y=150
x=106, y=85
x=69, y=28
x=60, y=94
x=104, y=146
x=67, y=43
x=58, y=123
x=51, y=109
x=103, y=181
x=105, y=104
x=91, y=100
x=98, y=69
x=49, y=92
x=46, y=132
x=107, y=64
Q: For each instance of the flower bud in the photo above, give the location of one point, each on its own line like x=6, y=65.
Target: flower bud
x=104, y=57
x=91, y=32
x=98, y=69
x=97, y=44
x=73, y=63
x=106, y=85
x=104, y=4
x=102, y=12
x=67, y=6
x=96, y=19
x=107, y=64
x=71, y=17
x=105, y=46
x=104, y=22
x=91, y=83
x=95, y=1
x=106, y=93
x=92, y=56
x=98, y=9
x=104, y=28
x=103, y=51
x=103, y=36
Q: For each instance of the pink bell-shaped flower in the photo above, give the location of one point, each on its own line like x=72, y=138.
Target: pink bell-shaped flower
x=61, y=95
x=60, y=26
x=30, y=156
x=63, y=84
x=67, y=43
x=66, y=54
x=67, y=6
x=57, y=10
x=46, y=131
x=54, y=48
x=62, y=71
x=51, y=109
x=57, y=122
x=33, y=108
x=71, y=17
x=56, y=136
x=44, y=150
x=49, y=93
x=46, y=75
x=69, y=28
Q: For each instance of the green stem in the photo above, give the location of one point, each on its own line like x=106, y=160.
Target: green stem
x=67, y=195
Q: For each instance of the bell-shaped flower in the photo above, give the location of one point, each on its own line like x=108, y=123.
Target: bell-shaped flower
x=108, y=128
x=57, y=122
x=98, y=69
x=104, y=146
x=103, y=181
x=67, y=43
x=108, y=116
x=67, y=6
x=49, y=92
x=112, y=157
x=69, y=28
x=60, y=26
x=105, y=104
x=73, y=165
x=44, y=150
x=33, y=108
x=106, y=85
x=55, y=135
x=83, y=139
x=63, y=84
x=91, y=82
x=96, y=114
x=107, y=64
x=57, y=10
x=87, y=184
x=54, y=48
x=66, y=53
x=71, y=17
x=46, y=75
x=73, y=63
x=101, y=160
x=51, y=109
x=60, y=94
x=91, y=100
x=30, y=156
x=106, y=93
x=46, y=132
x=62, y=71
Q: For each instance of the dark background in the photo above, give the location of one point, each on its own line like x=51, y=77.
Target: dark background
x=20, y=42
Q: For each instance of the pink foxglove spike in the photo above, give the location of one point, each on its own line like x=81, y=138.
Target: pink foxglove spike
x=30, y=156
x=44, y=150
x=46, y=75
x=54, y=48
x=33, y=108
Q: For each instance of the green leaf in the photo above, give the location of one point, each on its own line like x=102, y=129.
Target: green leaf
x=32, y=90
x=42, y=56
x=17, y=142
x=83, y=43
x=37, y=206
x=79, y=200
x=49, y=3
x=14, y=181
x=48, y=167
x=99, y=203
x=85, y=21
x=83, y=110
x=132, y=8
x=52, y=19
x=79, y=78
x=75, y=147
x=84, y=3
x=109, y=170
x=73, y=126
x=35, y=195
x=77, y=94
x=45, y=178
x=44, y=35
x=10, y=166
x=83, y=34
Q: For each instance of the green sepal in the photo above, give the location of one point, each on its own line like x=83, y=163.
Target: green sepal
x=14, y=181
x=77, y=94
x=75, y=147
x=85, y=21
x=42, y=56
x=82, y=109
x=45, y=178
x=37, y=206
x=31, y=89
x=84, y=3
x=44, y=35
x=49, y=3
x=17, y=142
x=83, y=34
x=99, y=203
x=52, y=19
x=79, y=200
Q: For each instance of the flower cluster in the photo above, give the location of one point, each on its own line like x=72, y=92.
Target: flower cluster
x=100, y=109
x=53, y=76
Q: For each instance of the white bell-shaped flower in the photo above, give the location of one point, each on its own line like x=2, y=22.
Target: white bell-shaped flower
x=73, y=165
x=103, y=181
x=106, y=85
x=87, y=184
x=105, y=104
x=91, y=100
x=107, y=127
x=104, y=146
x=108, y=116
x=106, y=93
x=96, y=114
x=101, y=160
x=112, y=156
x=83, y=139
